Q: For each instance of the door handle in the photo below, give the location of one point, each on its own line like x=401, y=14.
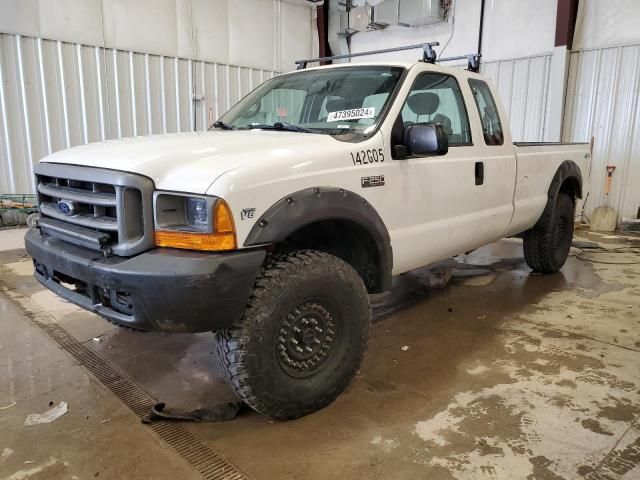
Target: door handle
x=479, y=173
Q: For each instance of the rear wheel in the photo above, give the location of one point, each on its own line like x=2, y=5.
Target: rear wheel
x=546, y=246
x=302, y=336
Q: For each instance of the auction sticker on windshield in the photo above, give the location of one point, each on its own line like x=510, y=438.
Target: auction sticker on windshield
x=352, y=114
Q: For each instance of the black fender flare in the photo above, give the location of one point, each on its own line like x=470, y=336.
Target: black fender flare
x=568, y=170
x=315, y=204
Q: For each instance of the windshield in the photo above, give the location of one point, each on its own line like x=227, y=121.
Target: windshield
x=336, y=100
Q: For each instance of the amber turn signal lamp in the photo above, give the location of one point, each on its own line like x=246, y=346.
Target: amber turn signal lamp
x=222, y=238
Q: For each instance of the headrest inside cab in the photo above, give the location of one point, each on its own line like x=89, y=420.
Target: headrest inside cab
x=425, y=103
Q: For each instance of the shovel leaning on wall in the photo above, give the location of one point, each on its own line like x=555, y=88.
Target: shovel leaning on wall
x=605, y=218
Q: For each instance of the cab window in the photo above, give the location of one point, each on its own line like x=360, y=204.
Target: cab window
x=436, y=98
x=491, y=124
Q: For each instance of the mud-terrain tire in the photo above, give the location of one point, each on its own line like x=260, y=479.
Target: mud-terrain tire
x=301, y=339
x=547, y=245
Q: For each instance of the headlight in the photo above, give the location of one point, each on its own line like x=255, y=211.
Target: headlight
x=194, y=223
x=197, y=212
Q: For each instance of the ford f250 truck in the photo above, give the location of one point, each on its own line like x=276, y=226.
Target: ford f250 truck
x=309, y=194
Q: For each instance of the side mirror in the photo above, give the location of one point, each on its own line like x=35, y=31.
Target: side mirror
x=427, y=139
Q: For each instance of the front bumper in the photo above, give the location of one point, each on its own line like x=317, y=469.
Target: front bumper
x=163, y=289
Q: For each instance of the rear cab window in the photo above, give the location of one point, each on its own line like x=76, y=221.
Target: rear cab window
x=488, y=111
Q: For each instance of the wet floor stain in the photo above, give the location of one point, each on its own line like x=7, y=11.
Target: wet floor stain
x=620, y=462
x=553, y=392
x=595, y=426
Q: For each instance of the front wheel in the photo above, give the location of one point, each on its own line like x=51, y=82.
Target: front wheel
x=547, y=246
x=302, y=336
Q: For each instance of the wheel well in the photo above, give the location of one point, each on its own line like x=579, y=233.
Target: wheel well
x=346, y=240
x=571, y=186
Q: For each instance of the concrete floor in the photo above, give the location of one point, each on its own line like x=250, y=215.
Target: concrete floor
x=500, y=374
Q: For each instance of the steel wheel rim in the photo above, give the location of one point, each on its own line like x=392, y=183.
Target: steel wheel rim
x=305, y=340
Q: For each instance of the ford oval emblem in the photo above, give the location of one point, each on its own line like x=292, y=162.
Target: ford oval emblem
x=67, y=207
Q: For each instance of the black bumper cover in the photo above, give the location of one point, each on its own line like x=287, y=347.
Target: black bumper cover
x=164, y=289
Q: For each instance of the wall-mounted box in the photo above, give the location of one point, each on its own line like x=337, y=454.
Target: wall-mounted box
x=420, y=12
x=386, y=12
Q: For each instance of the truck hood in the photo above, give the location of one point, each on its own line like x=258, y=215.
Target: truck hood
x=191, y=162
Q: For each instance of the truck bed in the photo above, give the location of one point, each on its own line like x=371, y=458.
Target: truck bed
x=536, y=165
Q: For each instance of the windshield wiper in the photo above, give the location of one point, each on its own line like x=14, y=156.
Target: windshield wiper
x=221, y=125
x=337, y=131
x=292, y=128
x=288, y=127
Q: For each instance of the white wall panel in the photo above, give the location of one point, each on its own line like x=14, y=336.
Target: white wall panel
x=142, y=25
x=267, y=34
x=518, y=28
x=55, y=95
x=300, y=38
x=15, y=123
x=20, y=17
x=250, y=43
x=602, y=102
x=211, y=29
x=607, y=23
x=71, y=20
x=522, y=85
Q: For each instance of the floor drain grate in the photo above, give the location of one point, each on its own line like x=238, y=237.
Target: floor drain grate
x=205, y=461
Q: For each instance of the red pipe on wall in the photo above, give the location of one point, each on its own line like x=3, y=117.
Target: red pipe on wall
x=566, y=22
x=322, y=22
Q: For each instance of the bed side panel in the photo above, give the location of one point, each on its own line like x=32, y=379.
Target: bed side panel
x=537, y=164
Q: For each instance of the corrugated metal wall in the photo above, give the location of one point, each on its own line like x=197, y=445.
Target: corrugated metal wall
x=602, y=101
x=523, y=85
x=55, y=95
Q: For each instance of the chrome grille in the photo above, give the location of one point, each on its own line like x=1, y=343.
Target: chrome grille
x=96, y=208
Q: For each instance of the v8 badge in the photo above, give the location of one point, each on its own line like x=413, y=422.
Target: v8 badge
x=247, y=213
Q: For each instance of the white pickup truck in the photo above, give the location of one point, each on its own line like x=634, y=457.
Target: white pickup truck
x=311, y=193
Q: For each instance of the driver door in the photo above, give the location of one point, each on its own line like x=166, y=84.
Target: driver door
x=455, y=202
